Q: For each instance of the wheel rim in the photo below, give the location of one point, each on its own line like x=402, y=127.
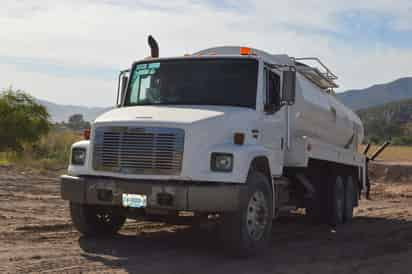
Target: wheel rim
x=257, y=215
x=340, y=199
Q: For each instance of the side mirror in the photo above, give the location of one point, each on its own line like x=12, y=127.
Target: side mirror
x=125, y=79
x=288, y=87
x=121, y=88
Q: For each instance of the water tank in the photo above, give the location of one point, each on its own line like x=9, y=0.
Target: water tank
x=318, y=114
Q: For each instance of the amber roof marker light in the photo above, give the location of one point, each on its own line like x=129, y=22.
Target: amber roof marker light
x=86, y=134
x=239, y=138
x=245, y=51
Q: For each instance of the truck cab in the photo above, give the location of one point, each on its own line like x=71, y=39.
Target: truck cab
x=226, y=133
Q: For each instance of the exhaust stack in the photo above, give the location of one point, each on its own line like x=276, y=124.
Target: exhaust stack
x=154, y=47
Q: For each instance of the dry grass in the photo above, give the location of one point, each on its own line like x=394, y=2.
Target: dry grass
x=3, y=159
x=51, y=152
x=394, y=153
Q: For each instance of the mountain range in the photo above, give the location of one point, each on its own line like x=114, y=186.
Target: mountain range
x=61, y=113
x=375, y=95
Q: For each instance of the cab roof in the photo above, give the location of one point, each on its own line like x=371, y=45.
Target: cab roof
x=323, y=78
x=281, y=59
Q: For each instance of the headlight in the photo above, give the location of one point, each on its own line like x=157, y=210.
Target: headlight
x=78, y=156
x=222, y=162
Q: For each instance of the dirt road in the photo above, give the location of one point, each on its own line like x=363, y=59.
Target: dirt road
x=36, y=236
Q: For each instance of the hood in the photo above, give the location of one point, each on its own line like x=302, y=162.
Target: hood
x=206, y=129
x=171, y=114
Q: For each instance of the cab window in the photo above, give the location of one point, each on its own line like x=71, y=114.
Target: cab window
x=272, y=88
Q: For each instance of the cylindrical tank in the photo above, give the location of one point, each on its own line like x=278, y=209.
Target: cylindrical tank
x=318, y=114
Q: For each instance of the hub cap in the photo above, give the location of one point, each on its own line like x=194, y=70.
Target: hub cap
x=257, y=215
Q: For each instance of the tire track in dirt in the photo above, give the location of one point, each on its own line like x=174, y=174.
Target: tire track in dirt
x=45, y=228
x=60, y=265
x=37, y=236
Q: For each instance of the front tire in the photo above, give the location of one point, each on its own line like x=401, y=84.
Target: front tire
x=93, y=220
x=247, y=231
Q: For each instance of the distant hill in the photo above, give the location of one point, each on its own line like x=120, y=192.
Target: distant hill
x=61, y=113
x=378, y=94
x=392, y=121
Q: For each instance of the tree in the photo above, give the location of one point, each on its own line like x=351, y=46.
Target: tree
x=76, y=122
x=22, y=120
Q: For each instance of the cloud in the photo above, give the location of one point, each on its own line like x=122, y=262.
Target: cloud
x=63, y=90
x=367, y=28
x=79, y=42
x=54, y=68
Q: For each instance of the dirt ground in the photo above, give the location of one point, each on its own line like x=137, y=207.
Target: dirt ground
x=36, y=236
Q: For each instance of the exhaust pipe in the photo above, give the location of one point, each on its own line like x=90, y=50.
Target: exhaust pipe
x=154, y=47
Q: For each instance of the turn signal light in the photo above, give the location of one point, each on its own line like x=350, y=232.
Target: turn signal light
x=239, y=138
x=245, y=51
x=86, y=134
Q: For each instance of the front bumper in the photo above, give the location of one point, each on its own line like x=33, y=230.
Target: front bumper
x=171, y=195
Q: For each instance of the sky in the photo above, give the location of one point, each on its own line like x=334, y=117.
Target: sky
x=70, y=51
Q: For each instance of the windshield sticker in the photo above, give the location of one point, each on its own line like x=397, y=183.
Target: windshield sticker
x=141, y=66
x=154, y=65
x=145, y=72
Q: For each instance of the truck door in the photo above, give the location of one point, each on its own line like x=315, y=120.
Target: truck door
x=273, y=127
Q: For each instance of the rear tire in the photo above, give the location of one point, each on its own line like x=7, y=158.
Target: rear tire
x=337, y=200
x=349, y=199
x=315, y=206
x=247, y=231
x=313, y=210
x=93, y=220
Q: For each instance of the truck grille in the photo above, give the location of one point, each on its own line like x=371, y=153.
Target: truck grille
x=138, y=150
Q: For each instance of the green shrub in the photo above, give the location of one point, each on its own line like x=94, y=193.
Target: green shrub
x=402, y=140
x=22, y=120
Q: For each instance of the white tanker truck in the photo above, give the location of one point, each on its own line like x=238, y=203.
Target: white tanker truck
x=232, y=134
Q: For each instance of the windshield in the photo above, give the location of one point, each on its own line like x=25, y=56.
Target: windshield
x=231, y=82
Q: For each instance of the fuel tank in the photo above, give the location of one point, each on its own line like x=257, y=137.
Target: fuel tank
x=319, y=114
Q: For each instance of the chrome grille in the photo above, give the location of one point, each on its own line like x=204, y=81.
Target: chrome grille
x=138, y=150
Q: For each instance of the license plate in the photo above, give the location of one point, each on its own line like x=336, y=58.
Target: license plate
x=134, y=200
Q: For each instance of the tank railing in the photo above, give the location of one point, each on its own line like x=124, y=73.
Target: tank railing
x=328, y=74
